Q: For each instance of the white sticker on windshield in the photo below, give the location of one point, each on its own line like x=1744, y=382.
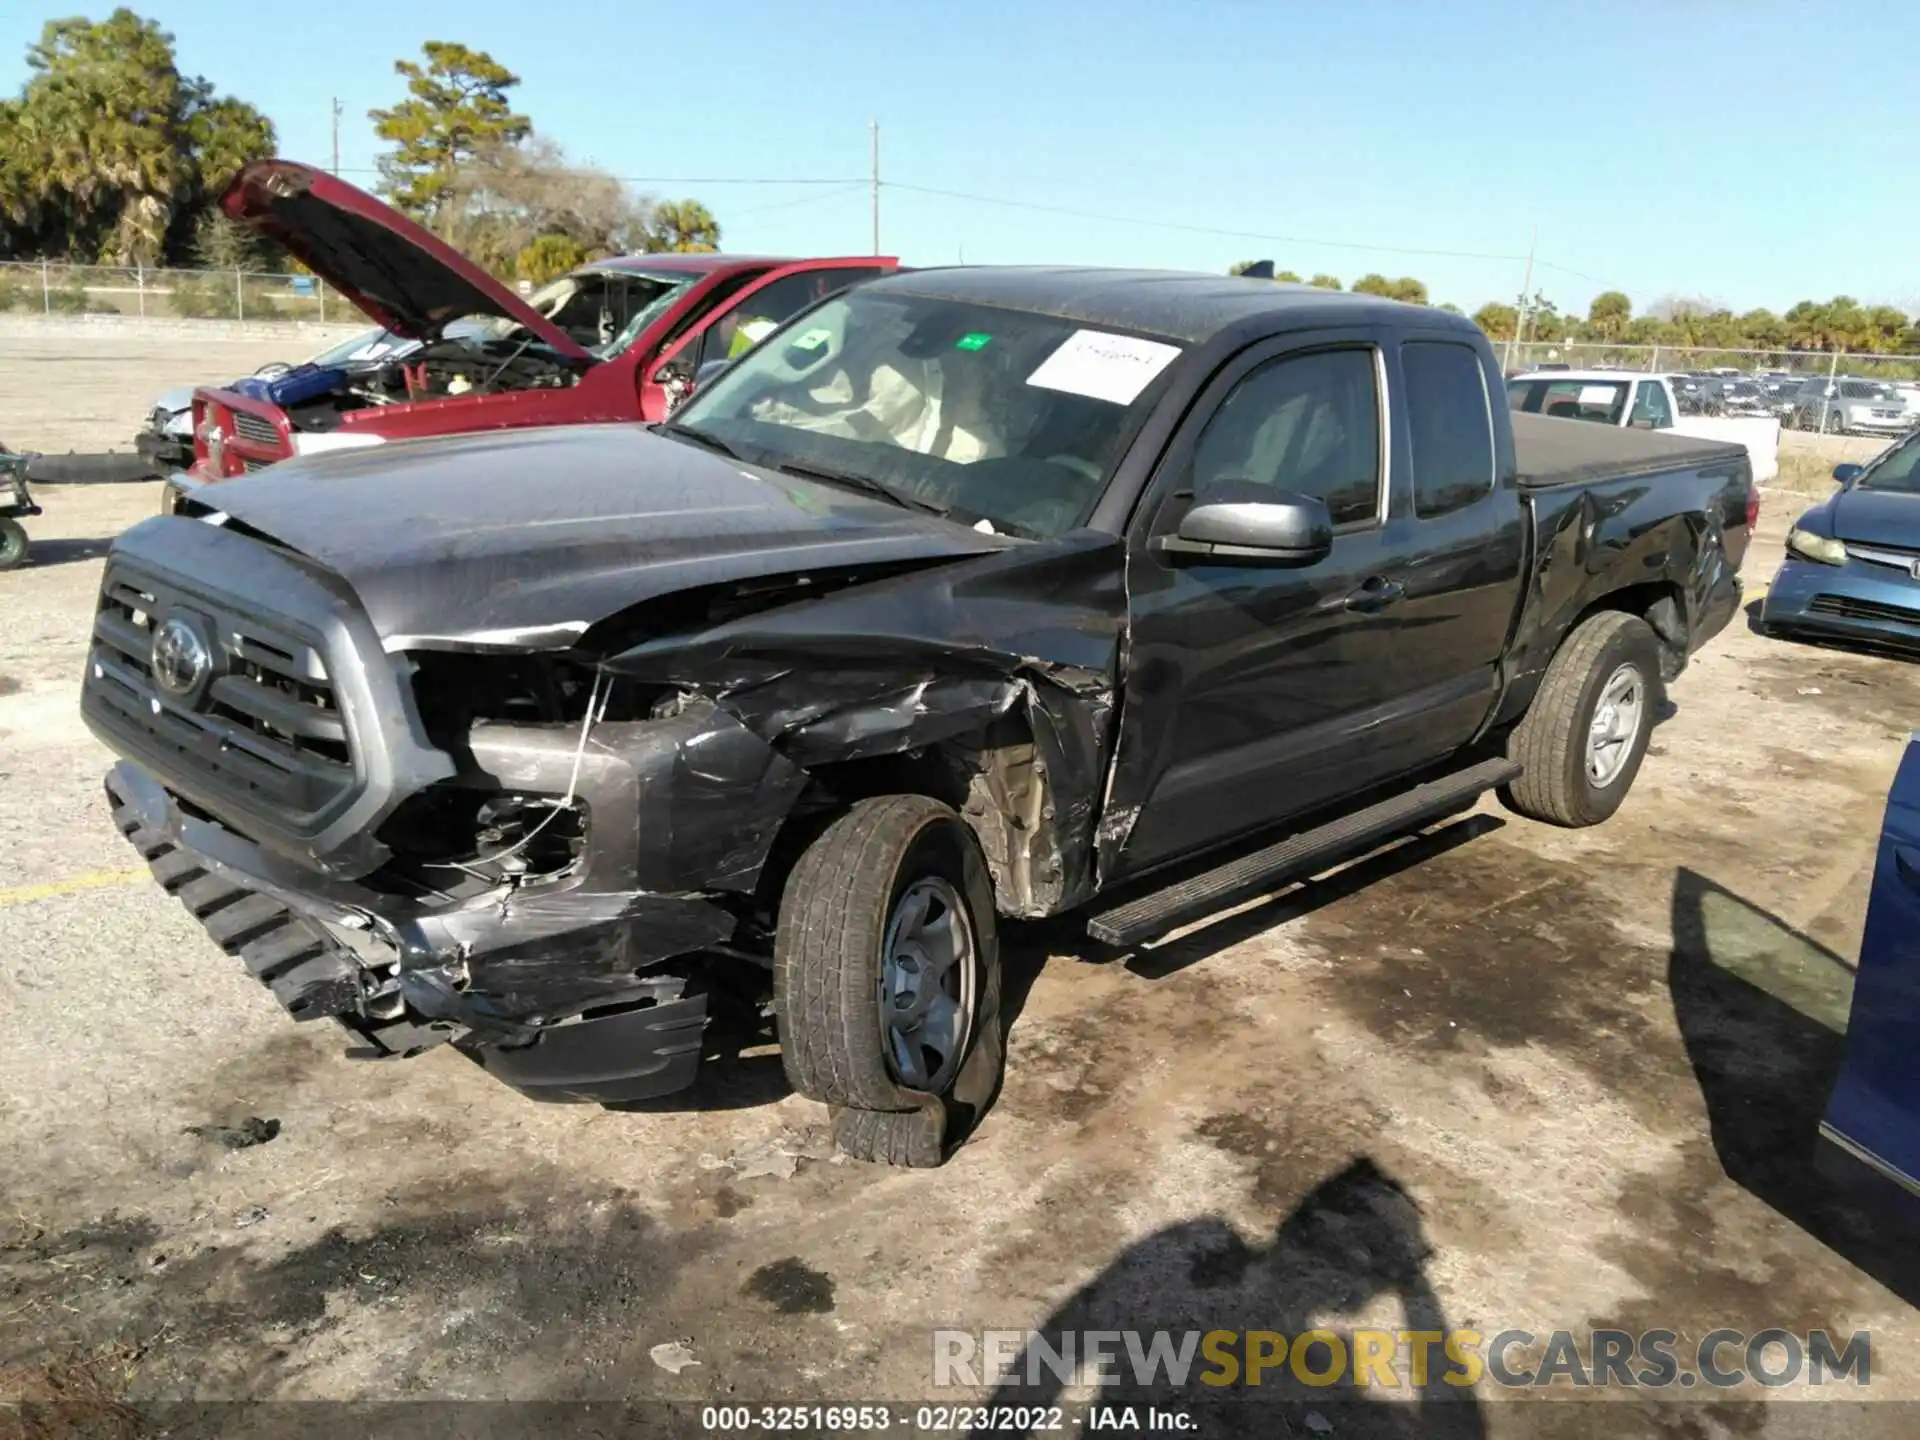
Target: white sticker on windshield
x=812, y=339
x=1115, y=368
x=1598, y=394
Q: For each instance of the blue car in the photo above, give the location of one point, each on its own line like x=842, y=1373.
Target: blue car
x=1852, y=570
x=1874, y=1111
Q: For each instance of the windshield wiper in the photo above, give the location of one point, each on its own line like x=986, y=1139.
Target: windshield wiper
x=864, y=483
x=701, y=438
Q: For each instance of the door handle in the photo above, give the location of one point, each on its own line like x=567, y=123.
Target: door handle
x=1378, y=593
x=1906, y=861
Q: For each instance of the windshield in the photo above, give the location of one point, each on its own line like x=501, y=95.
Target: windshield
x=989, y=414
x=1898, y=470
x=604, y=310
x=1602, y=400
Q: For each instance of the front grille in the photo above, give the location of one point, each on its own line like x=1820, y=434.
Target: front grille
x=255, y=429
x=1845, y=607
x=248, y=464
x=266, y=732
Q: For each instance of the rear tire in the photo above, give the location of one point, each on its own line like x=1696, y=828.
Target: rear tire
x=13, y=544
x=887, y=978
x=1583, y=738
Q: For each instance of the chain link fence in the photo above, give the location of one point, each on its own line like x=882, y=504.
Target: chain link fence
x=52, y=288
x=1701, y=360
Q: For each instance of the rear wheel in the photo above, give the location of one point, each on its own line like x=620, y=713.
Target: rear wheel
x=1584, y=736
x=13, y=544
x=886, y=977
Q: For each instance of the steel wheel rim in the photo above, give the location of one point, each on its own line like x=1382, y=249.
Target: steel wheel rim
x=13, y=542
x=1615, y=725
x=927, y=975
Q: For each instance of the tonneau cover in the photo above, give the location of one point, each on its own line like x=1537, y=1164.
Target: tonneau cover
x=1552, y=451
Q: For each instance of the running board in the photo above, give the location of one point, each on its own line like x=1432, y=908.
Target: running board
x=1298, y=856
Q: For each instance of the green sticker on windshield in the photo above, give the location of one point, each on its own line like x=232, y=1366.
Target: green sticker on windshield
x=812, y=339
x=974, y=340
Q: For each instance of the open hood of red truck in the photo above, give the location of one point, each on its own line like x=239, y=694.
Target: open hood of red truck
x=401, y=276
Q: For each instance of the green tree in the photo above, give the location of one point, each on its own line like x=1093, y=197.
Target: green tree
x=1373, y=284
x=1324, y=282
x=1609, y=315
x=109, y=152
x=682, y=225
x=1497, y=320
x=549, y=257
x=456, y=107
x=1287, y=277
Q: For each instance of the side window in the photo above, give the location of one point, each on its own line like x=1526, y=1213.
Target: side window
x=1309, y=424
x=1650, y=407
x=1452, y=430
x=755, y=317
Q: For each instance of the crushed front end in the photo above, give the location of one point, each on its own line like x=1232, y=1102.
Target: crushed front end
x=425, y=849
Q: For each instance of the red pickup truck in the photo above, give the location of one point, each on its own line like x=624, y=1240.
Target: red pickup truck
x=619, y=339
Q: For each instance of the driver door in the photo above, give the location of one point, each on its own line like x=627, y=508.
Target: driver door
x=1248, y=683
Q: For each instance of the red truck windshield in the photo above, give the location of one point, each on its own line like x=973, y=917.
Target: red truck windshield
x=605, y=310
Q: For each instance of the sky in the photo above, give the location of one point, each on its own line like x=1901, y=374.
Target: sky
x=1741, y=151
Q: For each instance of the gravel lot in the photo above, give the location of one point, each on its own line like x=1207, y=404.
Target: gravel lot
x=1508, y=1077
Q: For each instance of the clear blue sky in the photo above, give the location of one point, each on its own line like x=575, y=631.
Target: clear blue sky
x=1753, y=152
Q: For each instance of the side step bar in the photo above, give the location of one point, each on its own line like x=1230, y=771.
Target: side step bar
x=1298, y=856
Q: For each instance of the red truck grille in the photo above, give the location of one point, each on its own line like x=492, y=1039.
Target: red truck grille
x=233, y=441
x=255, y=428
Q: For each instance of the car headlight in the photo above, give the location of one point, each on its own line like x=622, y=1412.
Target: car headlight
x=1818, y=548
x=317, y=443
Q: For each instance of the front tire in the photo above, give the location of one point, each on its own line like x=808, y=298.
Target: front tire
x=887, y=977
x=1583, y=737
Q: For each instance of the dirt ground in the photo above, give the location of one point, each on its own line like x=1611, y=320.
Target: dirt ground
x=1505, y=1077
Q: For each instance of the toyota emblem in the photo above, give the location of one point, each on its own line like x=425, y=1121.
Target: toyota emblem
x=182, y=658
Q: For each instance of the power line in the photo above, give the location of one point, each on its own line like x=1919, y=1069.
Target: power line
x=670, y=179
x=840, y=194
x=1195, y=229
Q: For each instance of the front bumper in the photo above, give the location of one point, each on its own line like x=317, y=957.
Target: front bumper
x=1859, y=601
x=538, y=989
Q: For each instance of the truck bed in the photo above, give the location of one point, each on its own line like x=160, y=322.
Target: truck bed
x=1550, y=451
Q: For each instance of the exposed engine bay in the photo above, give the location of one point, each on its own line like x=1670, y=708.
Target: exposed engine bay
x=603, y=309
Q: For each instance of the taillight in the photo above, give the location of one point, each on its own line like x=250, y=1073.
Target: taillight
x=1753, y=505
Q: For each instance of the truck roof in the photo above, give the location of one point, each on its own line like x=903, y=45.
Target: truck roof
x=1180, y=305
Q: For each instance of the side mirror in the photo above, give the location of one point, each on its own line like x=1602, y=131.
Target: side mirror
x=1845, y=475
x=1240, y=522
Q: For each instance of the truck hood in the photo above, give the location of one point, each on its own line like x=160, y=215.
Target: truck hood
x=521, y=540
x=402, y=277
x=1876, y=517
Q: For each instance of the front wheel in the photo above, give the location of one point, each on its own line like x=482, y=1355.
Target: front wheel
x=13, y=544
x=887, y=978
x=1583, y=737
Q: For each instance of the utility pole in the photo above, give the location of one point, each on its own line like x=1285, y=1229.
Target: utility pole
x=336, y=135
x=873, y=153
x=1526, y=295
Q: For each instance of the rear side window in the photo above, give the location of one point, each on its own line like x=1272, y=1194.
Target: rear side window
x=1451, y=426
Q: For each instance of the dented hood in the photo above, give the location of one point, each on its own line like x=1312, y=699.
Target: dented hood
x=522, y=539
x=397, y=273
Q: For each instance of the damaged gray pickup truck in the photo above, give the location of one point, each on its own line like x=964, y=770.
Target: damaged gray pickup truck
x=969, y=594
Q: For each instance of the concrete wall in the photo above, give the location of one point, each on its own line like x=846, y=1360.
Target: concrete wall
x=299, y=336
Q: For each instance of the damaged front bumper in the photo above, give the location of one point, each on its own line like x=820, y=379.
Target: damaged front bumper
x=537, y=987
